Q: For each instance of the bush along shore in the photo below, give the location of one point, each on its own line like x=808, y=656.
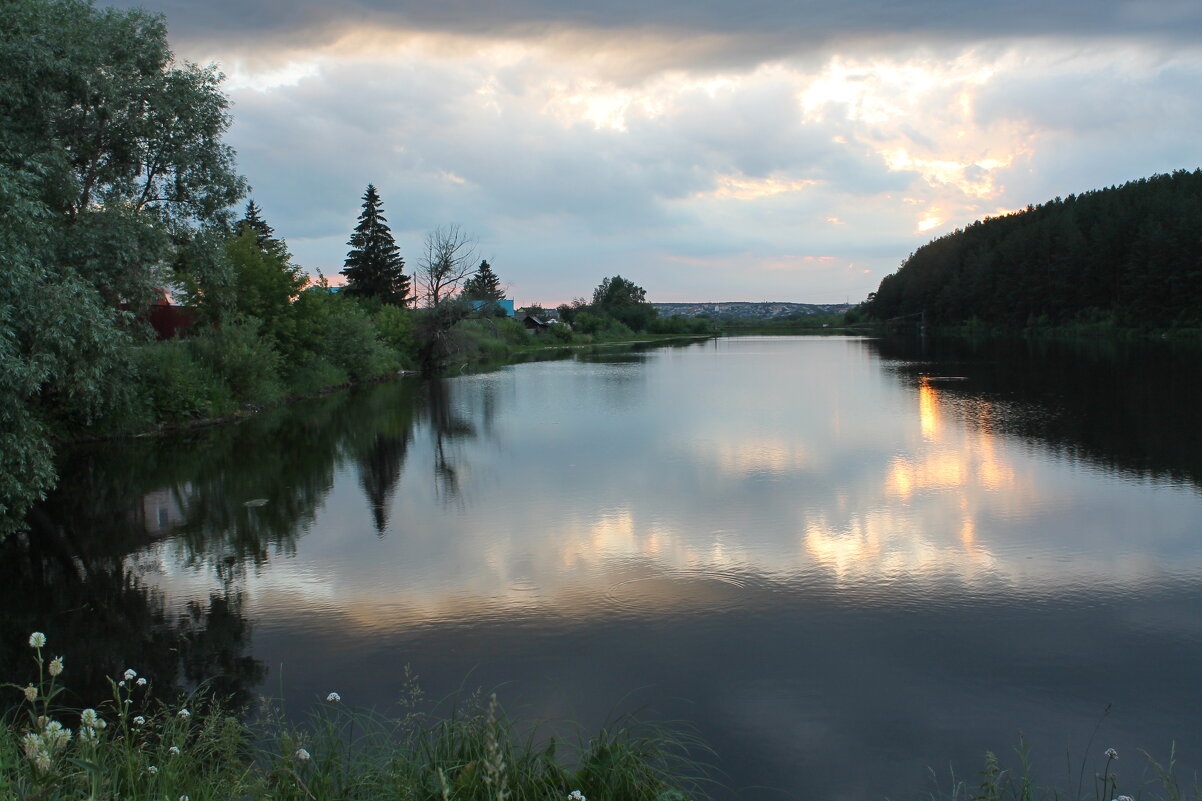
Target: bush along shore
x=134, y=746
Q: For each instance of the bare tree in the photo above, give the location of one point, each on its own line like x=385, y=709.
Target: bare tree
x=449, y=257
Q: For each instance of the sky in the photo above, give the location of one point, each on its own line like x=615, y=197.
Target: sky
x=709, y=150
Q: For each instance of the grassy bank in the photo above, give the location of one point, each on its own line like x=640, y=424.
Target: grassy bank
x=134, y=746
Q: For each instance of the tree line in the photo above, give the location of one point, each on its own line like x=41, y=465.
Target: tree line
x=116, y=185
x=1127, y=256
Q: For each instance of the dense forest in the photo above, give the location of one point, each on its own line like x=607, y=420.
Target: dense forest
x=1128, y=256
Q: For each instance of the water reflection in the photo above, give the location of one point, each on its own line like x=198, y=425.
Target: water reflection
x=826, y=545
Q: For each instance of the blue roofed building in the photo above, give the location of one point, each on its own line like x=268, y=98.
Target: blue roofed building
x=506, y=305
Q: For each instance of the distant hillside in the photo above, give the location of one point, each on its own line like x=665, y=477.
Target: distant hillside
x=748, y=311
x=1128, y=255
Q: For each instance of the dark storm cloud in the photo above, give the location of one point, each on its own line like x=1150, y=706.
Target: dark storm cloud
x=768, y=23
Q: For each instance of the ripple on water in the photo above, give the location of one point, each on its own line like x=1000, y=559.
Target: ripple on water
x=686, y=590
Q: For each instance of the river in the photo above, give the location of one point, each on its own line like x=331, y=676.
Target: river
x=839, y=561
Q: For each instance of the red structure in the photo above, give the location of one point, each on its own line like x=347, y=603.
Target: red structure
x=170, y=321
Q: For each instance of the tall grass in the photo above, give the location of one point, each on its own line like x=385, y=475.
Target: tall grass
x=998, y=782
x=135, y=746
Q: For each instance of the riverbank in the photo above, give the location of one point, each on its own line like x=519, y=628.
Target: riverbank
x=135, y=745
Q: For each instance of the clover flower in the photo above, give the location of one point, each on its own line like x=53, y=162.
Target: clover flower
x=302, y=755
x=173, y=750
x=139, y=721
x=42, y=761
x=129, y=674
x=89, y=735
x=185, y=714
x=1111, y=753
x=141, y=682
x=56, y=736
x=335, y=697
x=31, y=744
x=576, y=795
x=37, y=639
x=152, y=770
x=56, y=666
x=31, y=693
x=89, y=717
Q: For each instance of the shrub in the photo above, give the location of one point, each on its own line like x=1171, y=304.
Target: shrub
x=175, y=386
x=243, y=360
x=396, y=329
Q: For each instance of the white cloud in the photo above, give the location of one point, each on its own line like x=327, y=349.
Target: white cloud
x=577, y=148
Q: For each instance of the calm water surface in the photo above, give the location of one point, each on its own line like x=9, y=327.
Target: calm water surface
x=841, y=560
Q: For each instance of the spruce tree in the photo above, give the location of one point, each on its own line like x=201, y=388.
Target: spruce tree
x=264, y=233
x=373, y=267
x=484, y=285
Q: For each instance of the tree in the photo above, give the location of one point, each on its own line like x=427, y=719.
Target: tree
x=624, y=301
x=112, y=169
x=266, y=281
x=374, y=267
x=449, y=254
x=617, y=291
x=484, y=285
x=264, y=233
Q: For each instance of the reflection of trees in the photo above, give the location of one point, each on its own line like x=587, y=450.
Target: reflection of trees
x=227, y=498
x=1127, y=406
x=379, y=471
x=447, y=426
x=103, y=617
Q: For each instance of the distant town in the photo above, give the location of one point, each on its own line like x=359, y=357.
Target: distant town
x=767, y=310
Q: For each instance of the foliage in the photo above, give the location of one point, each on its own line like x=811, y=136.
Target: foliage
x=625, y=302
x=483, y=285
x=397, y=329
x=111, y=167
x=1129, y=254
x=335, y=329
x=266, y=281
x=374, y=267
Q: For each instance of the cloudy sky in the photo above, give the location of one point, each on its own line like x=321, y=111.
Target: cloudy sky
x=707, y=149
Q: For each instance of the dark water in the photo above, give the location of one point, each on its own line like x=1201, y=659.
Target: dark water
x=843, y=561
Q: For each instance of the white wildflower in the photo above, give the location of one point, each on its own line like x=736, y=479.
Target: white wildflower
x=89, y=735
x=31, y=693
x=56, y=666
x=140, y=682
x=89, y=717
x=335, y=697
x=185, y=714
x=37, y=639
x=183, y=798
x=56, y=735
x=302, y=754
x=576, y=795
x=31, y=744
x=173, y=750
x=42, y=761
x=139, y=721
x=1124, y=798
x=152, y=770
x=1111, y=753
x=129, y=674
x=121, y=683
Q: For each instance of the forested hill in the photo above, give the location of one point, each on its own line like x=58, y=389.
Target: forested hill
x=1129, y=255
